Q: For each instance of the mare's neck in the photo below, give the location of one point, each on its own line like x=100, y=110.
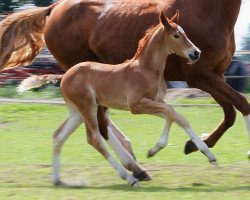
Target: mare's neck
x=154, y=54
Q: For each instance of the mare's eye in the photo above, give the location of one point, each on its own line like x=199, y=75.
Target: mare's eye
x=176, y=36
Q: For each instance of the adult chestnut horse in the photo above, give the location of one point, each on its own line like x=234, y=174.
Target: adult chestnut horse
x=109, y=30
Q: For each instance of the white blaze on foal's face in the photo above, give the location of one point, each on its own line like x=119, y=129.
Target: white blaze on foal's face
x=180, y=30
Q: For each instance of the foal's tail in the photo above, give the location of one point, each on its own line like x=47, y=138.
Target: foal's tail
x=21, y=36
x=38, y=81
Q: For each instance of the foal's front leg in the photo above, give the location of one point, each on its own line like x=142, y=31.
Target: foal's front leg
x=123, y=148
x=124, y=140
x=148, y=106
x=89, y=113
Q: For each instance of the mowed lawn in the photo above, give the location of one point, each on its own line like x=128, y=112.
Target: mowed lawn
x=26, y=146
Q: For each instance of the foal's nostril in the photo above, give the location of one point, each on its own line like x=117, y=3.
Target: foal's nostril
x=196, y=54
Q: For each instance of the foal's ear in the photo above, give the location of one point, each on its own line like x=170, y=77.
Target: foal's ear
x=165, y=21
x=175, y=18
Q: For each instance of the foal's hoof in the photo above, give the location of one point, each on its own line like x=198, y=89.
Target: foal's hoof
x=133, y=182
x=59, y=183
x=151, y=153
x=142, y=176
x=213, y=162
x=190, y=147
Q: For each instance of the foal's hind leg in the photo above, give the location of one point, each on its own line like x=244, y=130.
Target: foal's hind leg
x=60, y=136
x=163, y=141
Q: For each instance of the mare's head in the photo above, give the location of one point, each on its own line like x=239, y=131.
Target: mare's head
x=177, y=40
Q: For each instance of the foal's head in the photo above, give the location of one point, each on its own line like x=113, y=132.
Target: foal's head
x=177, y=40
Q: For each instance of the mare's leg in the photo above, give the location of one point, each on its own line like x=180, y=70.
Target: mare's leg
x=148, y=106
x=60, y=136
x=247, y=122
x=228, y=98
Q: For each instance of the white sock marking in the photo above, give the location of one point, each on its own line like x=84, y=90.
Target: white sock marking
x=119, y=149
x=163, y=141
x=73, y=122
x=56, y=168
x=202, y=146
x=247, y=122
x=121, y=171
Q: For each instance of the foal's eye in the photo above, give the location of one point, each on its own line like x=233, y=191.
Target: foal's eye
x=176, y=36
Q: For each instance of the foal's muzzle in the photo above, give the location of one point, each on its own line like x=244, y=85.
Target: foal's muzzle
x=195, y=55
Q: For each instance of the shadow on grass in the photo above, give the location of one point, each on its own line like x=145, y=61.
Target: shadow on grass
x=124, y=188
x=166, y=189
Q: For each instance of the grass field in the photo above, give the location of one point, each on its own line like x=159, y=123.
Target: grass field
x=25, y=158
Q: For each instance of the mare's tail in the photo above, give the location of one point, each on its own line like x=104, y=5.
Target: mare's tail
x=38, y=81
x=21, y=36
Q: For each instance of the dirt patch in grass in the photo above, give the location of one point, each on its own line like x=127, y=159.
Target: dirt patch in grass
x=4, y=124
x=185, y=93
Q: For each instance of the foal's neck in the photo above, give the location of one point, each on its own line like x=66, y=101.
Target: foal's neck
x=155, y=51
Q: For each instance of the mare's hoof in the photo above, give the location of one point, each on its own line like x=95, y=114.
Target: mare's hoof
x=142, y=176
x=190, y=147
x=248, y=155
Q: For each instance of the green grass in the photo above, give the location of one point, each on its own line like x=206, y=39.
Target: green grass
x=26, y=146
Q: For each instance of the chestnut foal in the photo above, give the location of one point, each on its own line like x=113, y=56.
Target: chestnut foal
x=136, y=85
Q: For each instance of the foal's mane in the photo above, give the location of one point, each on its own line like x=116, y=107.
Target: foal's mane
x=144, y=41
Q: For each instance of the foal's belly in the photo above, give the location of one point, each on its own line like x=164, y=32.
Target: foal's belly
x=113, y=101
x=115, y=106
